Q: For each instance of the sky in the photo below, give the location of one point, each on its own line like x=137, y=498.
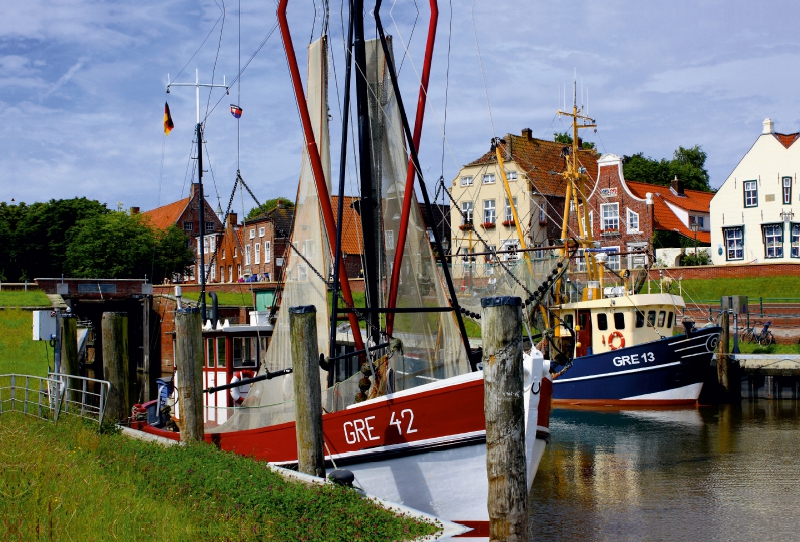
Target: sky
x=83, y=86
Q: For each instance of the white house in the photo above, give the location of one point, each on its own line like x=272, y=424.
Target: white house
x=752, y=214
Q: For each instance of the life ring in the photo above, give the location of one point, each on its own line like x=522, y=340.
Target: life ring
x=613, y=336
x=240, y=392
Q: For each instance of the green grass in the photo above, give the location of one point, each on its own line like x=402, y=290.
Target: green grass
x=21, y=298
x=754, y=348
x=233, y=299
x=18, y=352
x=67, y=482
x=754, y=287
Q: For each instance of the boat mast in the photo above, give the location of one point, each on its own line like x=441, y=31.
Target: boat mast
x=201, y=198
x=575, y=177
x=369, y=204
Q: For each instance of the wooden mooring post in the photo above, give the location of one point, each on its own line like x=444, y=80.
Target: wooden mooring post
x=723, y=360
x=307, y=390
x=69, y=351
x=114, y=327
x=189, y=366
x=504, y=410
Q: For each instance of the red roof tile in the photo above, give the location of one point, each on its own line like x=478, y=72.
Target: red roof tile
x=541, y=160
x=695, y=200
x=787, y=139
x=167, y=215
x=351, y=225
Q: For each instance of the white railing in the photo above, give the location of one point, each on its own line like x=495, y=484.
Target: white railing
x=47, y=397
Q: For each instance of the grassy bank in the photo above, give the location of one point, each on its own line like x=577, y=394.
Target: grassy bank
x=22, y=298
x=64, y=481
x=753, y=287
x=18, y=352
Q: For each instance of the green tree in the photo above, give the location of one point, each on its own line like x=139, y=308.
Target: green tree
x=687, y=164
x=118, y=245
x=268, y=206
x=564, y=137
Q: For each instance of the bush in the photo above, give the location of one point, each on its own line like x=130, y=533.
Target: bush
x=701, y=258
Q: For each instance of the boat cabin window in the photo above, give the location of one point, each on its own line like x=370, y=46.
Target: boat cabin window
x=619, y=320
x=221, y=352
x=661, y=316
x=602, y=322
x=569, y=321
x=244, y=352
x=669, y=320
x=639, y=318
x=651, y=318
x=210, y=353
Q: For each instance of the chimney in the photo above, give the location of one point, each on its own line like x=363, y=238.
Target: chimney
x=768, y=126
x=280, y=204
x=232, y=218
x=134, y=210
x=526, y=132
x=677, y=186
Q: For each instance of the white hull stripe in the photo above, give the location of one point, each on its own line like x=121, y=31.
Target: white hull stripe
x=692, y=391
x=693, y=355
x=690, y=347
x=629, y=371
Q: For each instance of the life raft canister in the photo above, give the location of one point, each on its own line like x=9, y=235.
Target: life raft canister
x=240, y=392
x=615, y=335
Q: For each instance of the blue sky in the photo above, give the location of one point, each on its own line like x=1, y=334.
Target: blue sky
x=82, y=86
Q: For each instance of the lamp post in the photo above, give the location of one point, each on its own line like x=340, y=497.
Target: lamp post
x=694, y=227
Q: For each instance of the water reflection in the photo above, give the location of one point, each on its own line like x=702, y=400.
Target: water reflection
x=712, y=473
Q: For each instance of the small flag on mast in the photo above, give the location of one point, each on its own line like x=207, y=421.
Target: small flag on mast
x=168, y=126
x=236, y=111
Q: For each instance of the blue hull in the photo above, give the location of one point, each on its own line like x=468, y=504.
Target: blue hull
x=666, y=371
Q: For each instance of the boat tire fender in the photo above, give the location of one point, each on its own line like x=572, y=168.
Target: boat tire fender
x=615, y=335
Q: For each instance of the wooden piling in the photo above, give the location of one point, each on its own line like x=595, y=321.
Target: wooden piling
x=189, y=366
x=307, y=391
x=723, y=360
x=115, y=365
x=69, y=351
x=504, y=410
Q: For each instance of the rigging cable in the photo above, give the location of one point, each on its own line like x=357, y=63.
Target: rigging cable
x=480, y=60
x=446, y=88
x=216, y=58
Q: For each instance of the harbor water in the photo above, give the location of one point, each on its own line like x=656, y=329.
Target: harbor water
x=728, y=472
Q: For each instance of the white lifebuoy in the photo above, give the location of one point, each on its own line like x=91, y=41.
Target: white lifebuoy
x=240, y=392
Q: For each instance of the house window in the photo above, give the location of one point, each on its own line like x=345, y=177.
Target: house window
x=509, y=215
x=734, y=243
x=795, y=240
x=591, y=221
x=235, y=252
x=787, y=190
x=261, y=231
x=222, y=273
x=511, y=175
x=238, y=271
x=209, y=226
x=539, y=254
x=699, y=220
x=247, y=255
x=613, y=260
x=253, y=233
x=230, y=273
x=488, y=178
x=542, y=213
x=257, y=248
x=213, y=273
x=489, y=216
x=750, y=194
x=466, y=181
x=223, y=253
x=267, y=252
x=466, y=211
x=633, y=222
x=511, y=245
x=773, y=240
x=610, y=212
x=188, y=226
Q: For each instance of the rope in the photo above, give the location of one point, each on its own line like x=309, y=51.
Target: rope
x=480, y=60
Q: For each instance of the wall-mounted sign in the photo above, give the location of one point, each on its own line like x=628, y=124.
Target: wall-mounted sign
x=97, y=288
x=609, y=192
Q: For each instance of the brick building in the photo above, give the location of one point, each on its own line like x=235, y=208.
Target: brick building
x=626, y=215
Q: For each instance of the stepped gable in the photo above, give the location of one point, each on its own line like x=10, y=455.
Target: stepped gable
x=786, y=139
x=664, y=217
x=165, y=216
x=541, y=160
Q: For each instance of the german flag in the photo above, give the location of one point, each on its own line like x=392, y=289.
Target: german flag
x=168, y=126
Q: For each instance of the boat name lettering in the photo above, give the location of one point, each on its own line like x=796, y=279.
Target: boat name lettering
x=395, y=421
x=359, y=430
x=634, y=359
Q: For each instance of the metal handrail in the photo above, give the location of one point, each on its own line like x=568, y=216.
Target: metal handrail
x=73, y=387
x=48, y=388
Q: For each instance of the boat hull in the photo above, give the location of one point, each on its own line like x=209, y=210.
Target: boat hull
x=424, y=447
x=665, y=372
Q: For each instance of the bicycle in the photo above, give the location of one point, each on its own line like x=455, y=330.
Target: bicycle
x=748, y=333
x=765, y=338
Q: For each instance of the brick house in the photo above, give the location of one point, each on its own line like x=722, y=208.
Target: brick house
x=265, y=240
x=625, y=215
x=185, y=214
x=352, y=245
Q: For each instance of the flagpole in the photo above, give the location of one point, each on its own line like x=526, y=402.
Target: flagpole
x=201, y=204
